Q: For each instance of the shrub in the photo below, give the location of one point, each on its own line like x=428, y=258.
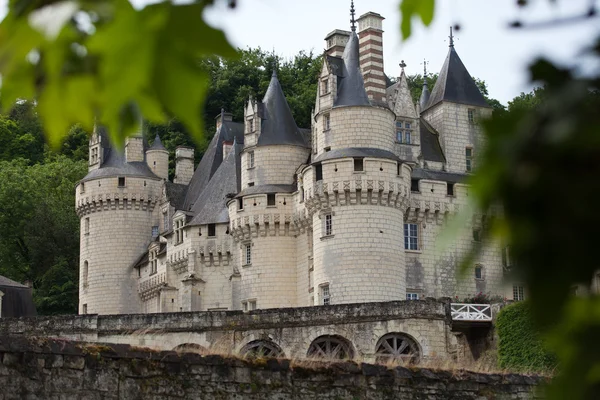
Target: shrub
x=520, y=346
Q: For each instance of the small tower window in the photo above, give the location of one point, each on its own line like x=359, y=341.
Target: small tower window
x=411, y=237
x=414, y=185
x=250, y=125
x=471, y=115
x=469, y=159
x=450, y=189
x=358, y=165
x=155, y=232
x=82, y=188
x=250, y=184
x=399, y=131
x=240, y=203
x=326, y=122
x=121, y=182
x=251, y=159
x=84, y=309
x=478, y=272
x=318, y=172
x=399, y=169
x=271, y=199
x=84, y=274
x=212, y=230
x=328, y=225
x=248, y=253
x=86, y=226
x=325, y=296
x=325, y=86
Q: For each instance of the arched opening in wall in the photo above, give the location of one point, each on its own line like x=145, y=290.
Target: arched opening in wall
x=84, y=275
x=331, y=347
x=397, y=348
x=191, y=348
x=261, y=349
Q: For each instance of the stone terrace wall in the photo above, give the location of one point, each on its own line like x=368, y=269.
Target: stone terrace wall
x=427, y=322
x=50, y=369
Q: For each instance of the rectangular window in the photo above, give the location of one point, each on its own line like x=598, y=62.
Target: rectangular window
x=479, y=272
x=318, y=172
x=121, y=181
x=399, y=131
x=82, y=188
x=250, y=184
x=325, y=297
x=84, y=309
x=87, y=226
x=411, y=237
x=179, y=231
x=326, y=122
x=251, y=125
x=518, y=293
x=407, y=138
x=358, y=165
x=250, y=159
x=240, y=203
x=469, y=159
x=153, y=260
x=165, y=220
x=212, y=230
x=414, y=185
x=155, y=231
x=476, y=235
x=271, y=199
x=471, y=115
x=248, y=253
x=325, y=86
x=412, y=296
x=450, y=189
x=252, y=305
x=328, y=225
x=245, y=305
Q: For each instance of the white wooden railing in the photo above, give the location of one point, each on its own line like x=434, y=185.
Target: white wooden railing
x=471, y=312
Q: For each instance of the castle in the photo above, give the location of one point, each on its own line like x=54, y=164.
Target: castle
x=347, y=211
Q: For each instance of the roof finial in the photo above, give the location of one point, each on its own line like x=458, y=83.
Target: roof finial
x=274, y=74
x=352, y=20
x=425, y=62
x=402, y=65
x=451, y=38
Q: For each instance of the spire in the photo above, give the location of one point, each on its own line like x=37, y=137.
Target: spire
x=352, y=20
x=278, y=125
x=351, y=86
x=454, y=83
x=402, y=66
x=425, y=92
x=401, y=99
x=157, y=144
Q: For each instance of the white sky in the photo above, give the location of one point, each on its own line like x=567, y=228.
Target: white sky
x=489, y=49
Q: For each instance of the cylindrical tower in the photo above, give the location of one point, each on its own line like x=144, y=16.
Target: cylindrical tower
x=261, y=214
x=157, y=157
x=356, y=192
x=116, y=204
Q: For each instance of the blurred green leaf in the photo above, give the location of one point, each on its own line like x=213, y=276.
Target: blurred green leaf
x=411, y=8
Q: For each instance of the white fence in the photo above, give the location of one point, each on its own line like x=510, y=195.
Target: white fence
x=471, y=312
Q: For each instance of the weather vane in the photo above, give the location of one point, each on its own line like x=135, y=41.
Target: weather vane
x=451, y=38
x=352, y=20
x=402, y=65
x=425, y=62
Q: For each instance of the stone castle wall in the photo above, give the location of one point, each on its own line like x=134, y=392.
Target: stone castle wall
x=273, y=165
x=60, y=369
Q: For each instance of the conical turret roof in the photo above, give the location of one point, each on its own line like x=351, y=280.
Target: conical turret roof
x=351, y=86
x=278, y=125
x=455, y=84
x=157, y=144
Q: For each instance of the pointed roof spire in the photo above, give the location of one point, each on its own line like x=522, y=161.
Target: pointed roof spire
x=352, y=20
x=351, y=86
x=157, y=144
x=278, y=125
x=451, y=37
x=455, y=84
x=425, y=94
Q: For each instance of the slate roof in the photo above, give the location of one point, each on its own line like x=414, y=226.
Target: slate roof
x=210, y=207
x=455, y=84
x=4, y=281
x=115, y=165
x=212, y=158
x=431, y=150
x=17, y=300
x=278, y=126
x=351, y=86
x=176, y=193
x=157, y=144
x=356, y=152
x=419, y=173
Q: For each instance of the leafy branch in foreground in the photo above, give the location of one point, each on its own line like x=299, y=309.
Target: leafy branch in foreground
x=104, y=61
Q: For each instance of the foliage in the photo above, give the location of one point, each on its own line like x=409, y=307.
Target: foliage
x=520, y=346
x=85, y=61
x=410, y=8
x=40, y=230
x=482, y=298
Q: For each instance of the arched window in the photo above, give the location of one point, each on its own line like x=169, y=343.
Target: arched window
x=331, y=347
x=84, y=274
x=397, y=347
x=261, y=349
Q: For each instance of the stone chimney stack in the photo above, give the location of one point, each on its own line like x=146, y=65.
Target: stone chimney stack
x=134, y=147
x=227, y=145
x=370, y=35
x=335, y=42
x=223, y=116
x=184, y=165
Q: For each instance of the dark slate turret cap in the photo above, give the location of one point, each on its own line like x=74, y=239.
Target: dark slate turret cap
x=278, y=125
x=425, y=94
x=351, y=86
x=157, y=144
x=455, y=84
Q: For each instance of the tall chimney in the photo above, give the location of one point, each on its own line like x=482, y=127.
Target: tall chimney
x=336, y=41
x=370, y=35
x=184, y=165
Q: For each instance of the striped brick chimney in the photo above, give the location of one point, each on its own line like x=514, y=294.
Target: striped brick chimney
x=336, y=42
x=370, y=35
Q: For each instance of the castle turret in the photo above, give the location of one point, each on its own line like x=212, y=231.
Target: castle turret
x=356, y=192
x=116, y=204
x=157, y=158
x=261, y=213
x=453, y=109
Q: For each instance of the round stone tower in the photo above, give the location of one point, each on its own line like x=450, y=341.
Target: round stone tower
x=261, y=214
x=116, y=204
x=356, y=190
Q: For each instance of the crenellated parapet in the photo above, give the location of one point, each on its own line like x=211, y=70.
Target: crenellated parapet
x=215, y=253
x=262, y=225
x=115, y=201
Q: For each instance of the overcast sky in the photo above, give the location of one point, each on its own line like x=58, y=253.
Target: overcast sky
x=489, y=49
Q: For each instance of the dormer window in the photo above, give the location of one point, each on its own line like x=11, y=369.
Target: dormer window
x=250, y=125
x=178, y=228
x=212, y=230
x=325, y=86
x=404, y=132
